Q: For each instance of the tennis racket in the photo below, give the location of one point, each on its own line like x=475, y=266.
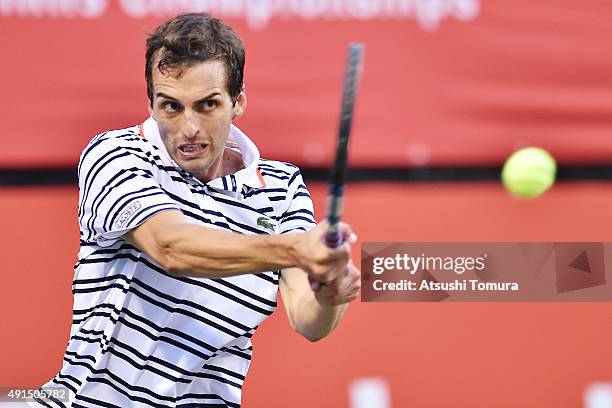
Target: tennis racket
x=337, y=175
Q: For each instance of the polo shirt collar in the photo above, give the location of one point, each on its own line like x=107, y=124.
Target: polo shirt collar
x=237, y=140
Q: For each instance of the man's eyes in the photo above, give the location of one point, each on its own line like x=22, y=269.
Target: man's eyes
x=208, y=105
x=170, y=106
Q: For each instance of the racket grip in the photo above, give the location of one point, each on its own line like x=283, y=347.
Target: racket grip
x=333, y=239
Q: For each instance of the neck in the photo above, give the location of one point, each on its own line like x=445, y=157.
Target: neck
x=229, y=163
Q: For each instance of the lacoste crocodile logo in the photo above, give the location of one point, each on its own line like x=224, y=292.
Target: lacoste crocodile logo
x=266, y=223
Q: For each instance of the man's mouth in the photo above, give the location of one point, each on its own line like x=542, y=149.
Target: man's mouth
x=192, y=149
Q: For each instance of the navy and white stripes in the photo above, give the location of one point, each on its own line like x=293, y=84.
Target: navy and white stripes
x=141, y=337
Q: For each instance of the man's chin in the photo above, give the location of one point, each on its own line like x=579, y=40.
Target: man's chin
x=197, y=169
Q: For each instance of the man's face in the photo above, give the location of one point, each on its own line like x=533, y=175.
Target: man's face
x=194, y=113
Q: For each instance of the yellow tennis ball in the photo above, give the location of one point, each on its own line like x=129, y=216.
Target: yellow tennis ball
x=529, y=172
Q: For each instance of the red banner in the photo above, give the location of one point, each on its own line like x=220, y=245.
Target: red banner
x=446, y=82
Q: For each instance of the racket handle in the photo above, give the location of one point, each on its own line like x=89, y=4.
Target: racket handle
x=333, y=238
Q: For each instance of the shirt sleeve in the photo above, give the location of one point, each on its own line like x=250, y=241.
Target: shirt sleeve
x=118, y=189
x=299, y=216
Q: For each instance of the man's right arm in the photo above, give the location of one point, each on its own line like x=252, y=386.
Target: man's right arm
x=186, y=249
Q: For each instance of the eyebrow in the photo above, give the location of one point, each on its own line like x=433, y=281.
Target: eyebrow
x=163, y=95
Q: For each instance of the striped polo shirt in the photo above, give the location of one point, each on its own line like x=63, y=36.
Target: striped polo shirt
x=141, y=337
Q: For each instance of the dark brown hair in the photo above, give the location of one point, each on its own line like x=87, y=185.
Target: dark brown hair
x=191, y=38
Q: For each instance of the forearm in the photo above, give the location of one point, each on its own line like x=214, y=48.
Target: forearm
x=314, y=320
x=187, y=249
x=182, y=248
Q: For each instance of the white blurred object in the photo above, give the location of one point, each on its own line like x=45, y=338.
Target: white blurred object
x=418, y=154
x=369, y=393
x=598, y=395
x=314, y=153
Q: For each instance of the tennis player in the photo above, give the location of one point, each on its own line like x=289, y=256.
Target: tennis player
x=187, y=234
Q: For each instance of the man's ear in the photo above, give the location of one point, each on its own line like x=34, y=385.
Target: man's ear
x=240, y=105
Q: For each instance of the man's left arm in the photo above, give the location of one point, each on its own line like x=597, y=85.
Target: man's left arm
x=314, y=314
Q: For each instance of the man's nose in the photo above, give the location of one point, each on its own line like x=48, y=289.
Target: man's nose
x=190, y=127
